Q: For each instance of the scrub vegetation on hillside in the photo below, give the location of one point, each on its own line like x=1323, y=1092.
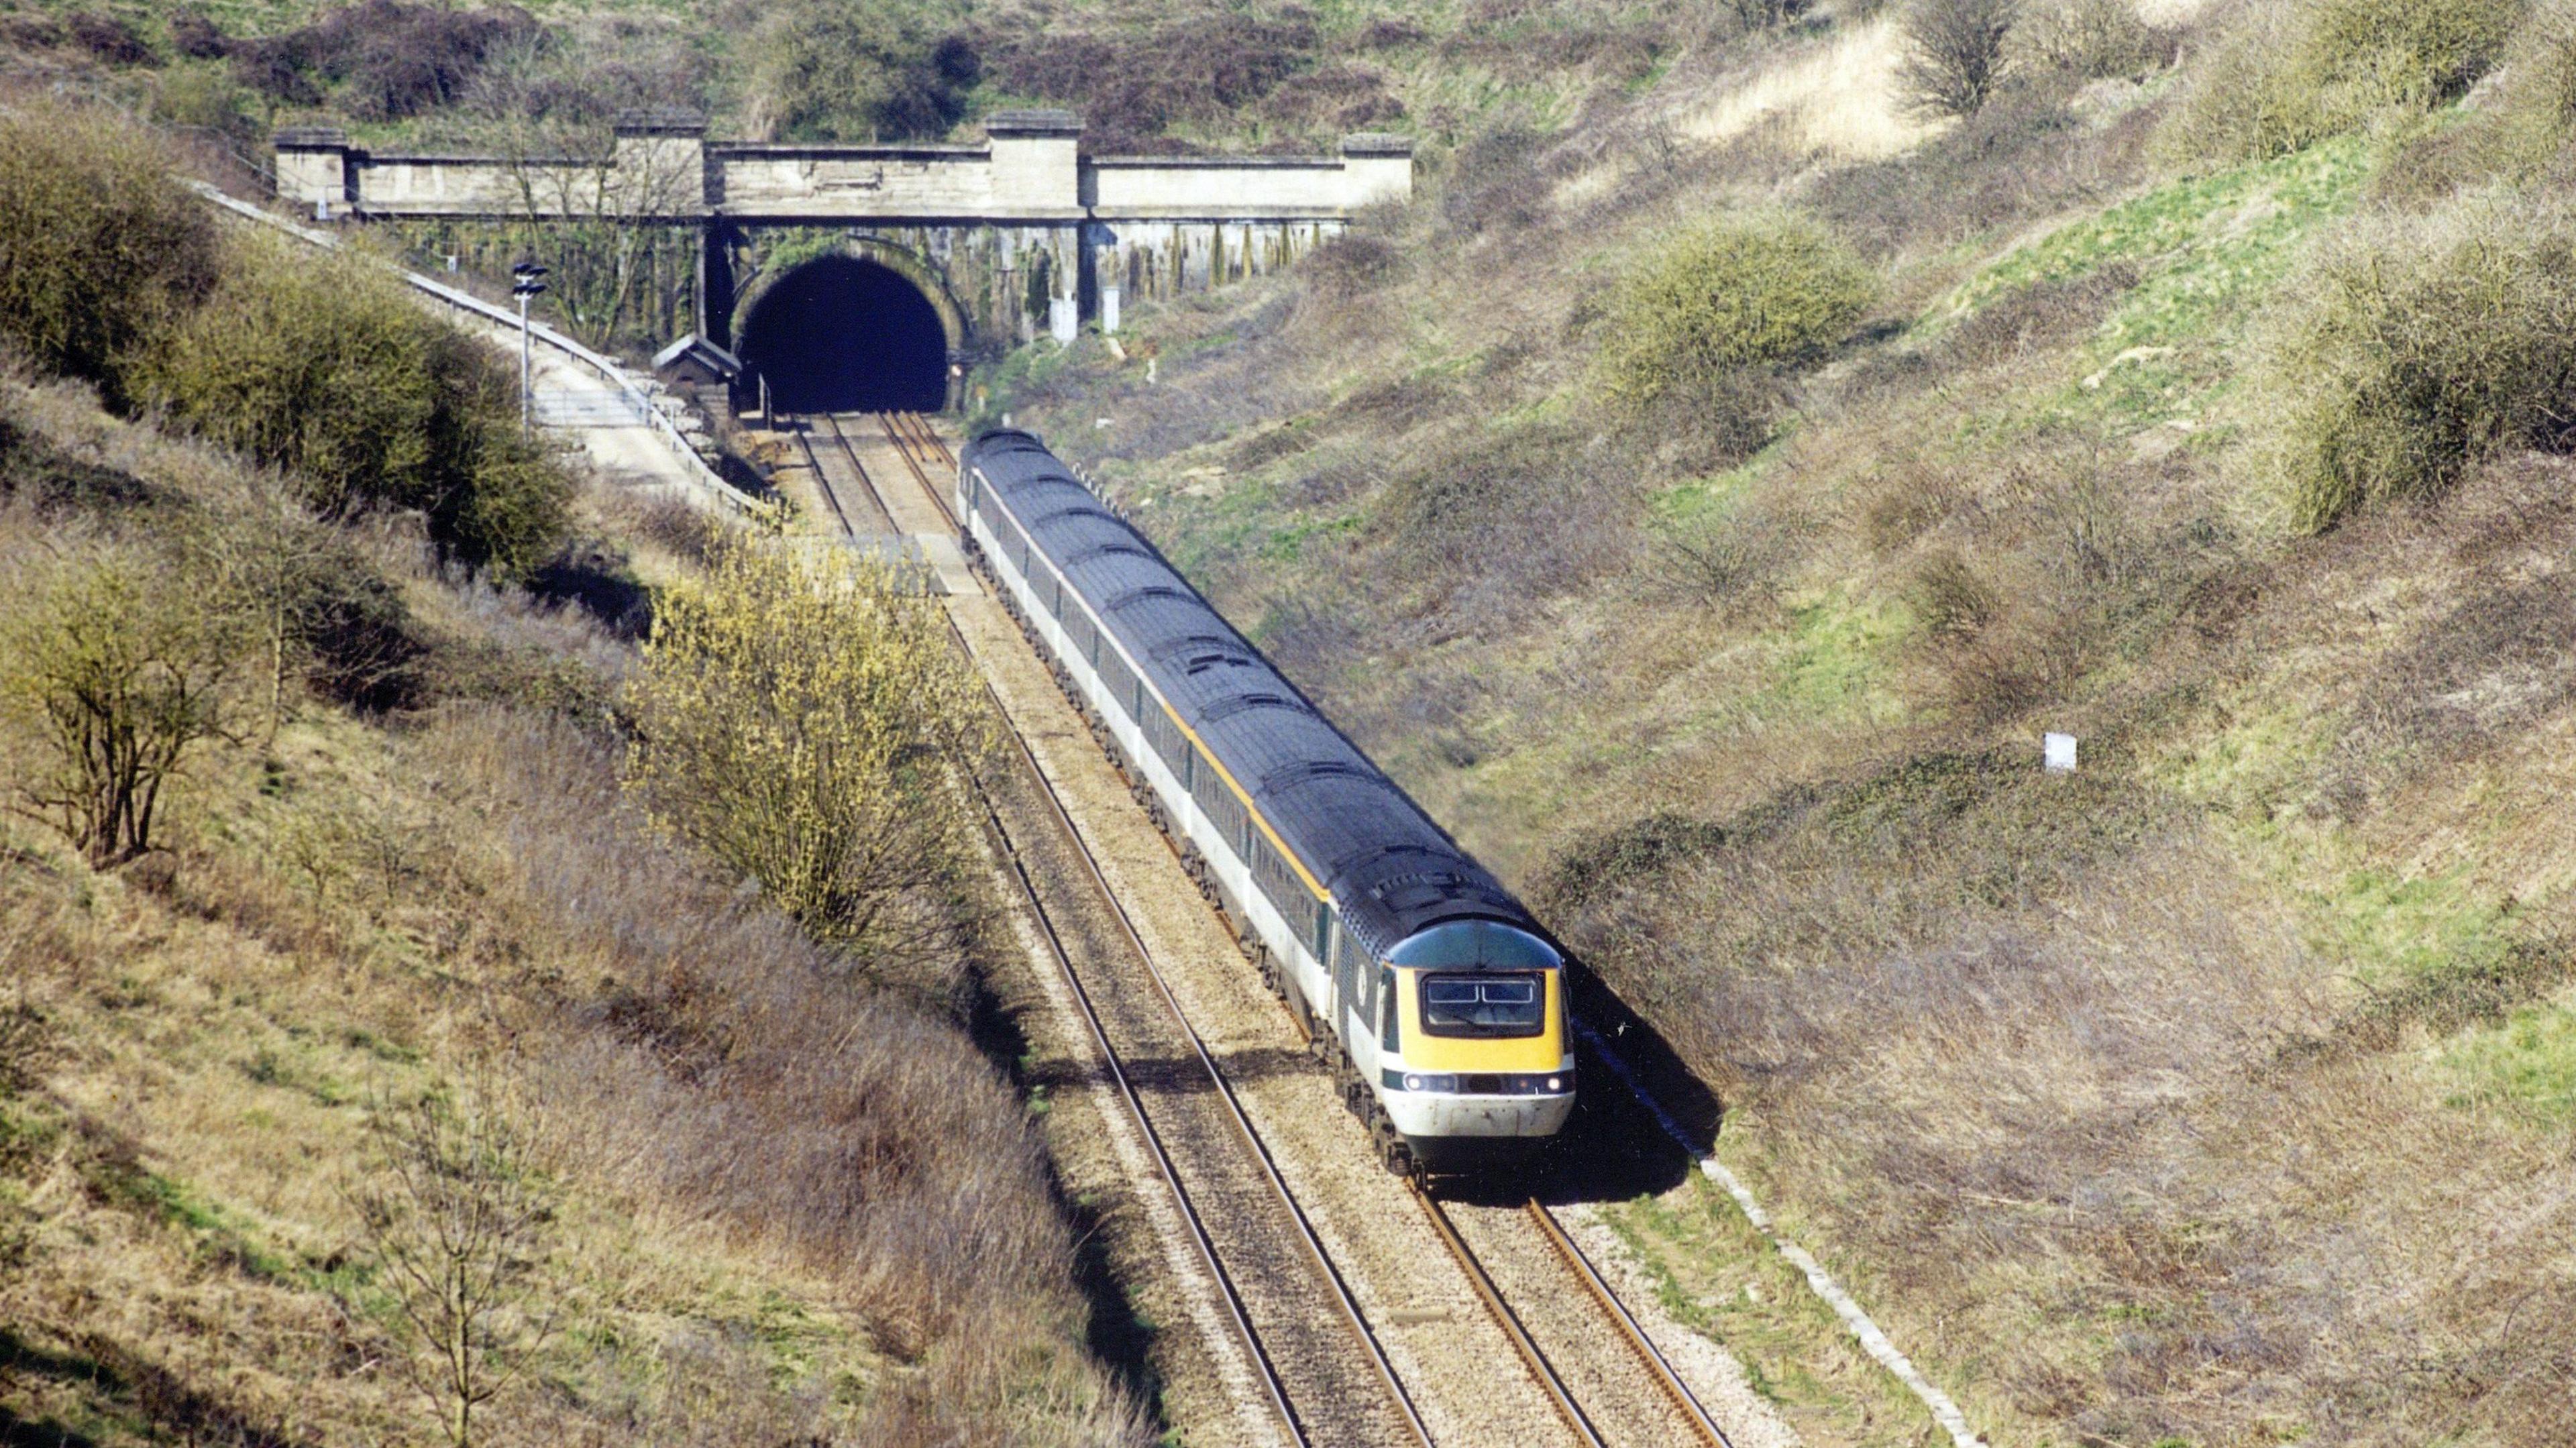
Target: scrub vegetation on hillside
x=376, y=1064
x=2205, y=399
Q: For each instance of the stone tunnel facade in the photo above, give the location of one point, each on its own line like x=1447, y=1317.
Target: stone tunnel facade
x=1007, y=238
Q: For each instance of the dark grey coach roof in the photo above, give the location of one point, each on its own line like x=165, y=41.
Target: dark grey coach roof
x=1391, y=871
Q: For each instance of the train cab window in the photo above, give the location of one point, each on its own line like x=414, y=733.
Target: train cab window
x=1484, y=1004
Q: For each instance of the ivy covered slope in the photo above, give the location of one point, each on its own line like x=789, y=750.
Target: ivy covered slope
x=2190, y=380
x=408, y=1031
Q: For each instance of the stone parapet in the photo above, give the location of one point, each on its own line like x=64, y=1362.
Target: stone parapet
x=1028, y=169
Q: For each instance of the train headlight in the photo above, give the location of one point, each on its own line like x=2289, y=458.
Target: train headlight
x=1413, y=1081
x=1555, y=1083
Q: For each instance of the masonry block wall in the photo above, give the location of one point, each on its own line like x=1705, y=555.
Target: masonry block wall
x=1010, y=228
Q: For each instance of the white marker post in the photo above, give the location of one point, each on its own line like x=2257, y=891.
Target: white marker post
x=2057, y=753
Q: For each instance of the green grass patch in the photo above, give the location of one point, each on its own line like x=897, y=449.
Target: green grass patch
x=1831, y=660
x=2209, y=251
x=1714, y=1273
x=2526, y=1062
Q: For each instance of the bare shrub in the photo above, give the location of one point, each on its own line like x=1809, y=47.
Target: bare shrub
x=108, y=38
x=98, y=245
x=1132, y=85
x=1950, y=599
x=2042, y=313
x=2413, y=349
x=2023, y=155
x=1334, y=97
x=1351, y=266
x=314, y=606
x=2286, y=76
x=798, y=718
x=1491, y=182
x=115, y=673
x=704, y=1053
x=842, y=71
x=2520, y=135
x=385, y=59
x=2092, y=39
x=1729, y=560
x=1763, y=14
x=684, y=530
x=1954, y=54
x=1906, y=499
x=458, y=1225
x=198, y=36
x=1503, y=520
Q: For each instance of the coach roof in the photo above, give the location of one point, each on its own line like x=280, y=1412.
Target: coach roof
x=1391, y=870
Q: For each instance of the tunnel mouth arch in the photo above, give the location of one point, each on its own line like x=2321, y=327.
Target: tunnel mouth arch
x=847, y=333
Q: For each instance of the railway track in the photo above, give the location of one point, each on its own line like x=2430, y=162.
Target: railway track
x=1589, y=1356
x=1290, y=1308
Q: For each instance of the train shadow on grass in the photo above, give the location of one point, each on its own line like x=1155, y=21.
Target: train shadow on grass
x=1613, y=1148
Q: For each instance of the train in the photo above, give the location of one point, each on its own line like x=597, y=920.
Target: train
x=1437, y=997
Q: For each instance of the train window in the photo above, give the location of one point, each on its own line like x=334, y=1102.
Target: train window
x=1115, y=679
x=1350, y=973
x=1347, y=946
x=1484, y=1004
x=1389, y=1032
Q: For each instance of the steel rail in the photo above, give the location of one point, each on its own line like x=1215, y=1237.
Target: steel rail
x=927, y=437
x=1251, y=1138
x=1273, y=1387
x=1657, y=1365
x=1260, y=1150
x=1236, y=1312
x=1559, y=1395
x=1666, y=1377
x=906, y=448
x=823, y=484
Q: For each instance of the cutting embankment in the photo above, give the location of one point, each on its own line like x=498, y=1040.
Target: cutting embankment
x=2192, y=383
x=429, y=1015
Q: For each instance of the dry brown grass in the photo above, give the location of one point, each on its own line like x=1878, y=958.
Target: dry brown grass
x=789, y=1206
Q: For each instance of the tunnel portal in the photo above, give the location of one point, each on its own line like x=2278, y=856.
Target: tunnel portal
x=845, y=334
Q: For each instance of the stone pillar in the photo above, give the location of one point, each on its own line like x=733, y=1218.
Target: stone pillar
x=1035, y=169
x=661, y=162
x=1376, y=167
x=1109, y=311
x=313, y=167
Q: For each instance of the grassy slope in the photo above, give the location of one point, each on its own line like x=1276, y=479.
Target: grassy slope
x=2220, y=1093
x=454, y=900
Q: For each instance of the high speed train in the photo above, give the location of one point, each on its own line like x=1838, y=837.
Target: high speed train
x=1418, y=973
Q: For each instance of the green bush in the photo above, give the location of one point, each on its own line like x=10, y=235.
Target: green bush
x=1728, y=299
x=115, y=675
x=2287, y=76
x=2413, y=350
x=320, y=367
x=800, y=717
x=97, y=244
x=2522, y=135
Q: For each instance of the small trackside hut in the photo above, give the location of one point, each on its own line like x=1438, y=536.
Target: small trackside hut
x=1428, y=984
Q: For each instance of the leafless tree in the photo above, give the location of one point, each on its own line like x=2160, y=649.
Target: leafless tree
x=1954, y=54
x=458, y=1227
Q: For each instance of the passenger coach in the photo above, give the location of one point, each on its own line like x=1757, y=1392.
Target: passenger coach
x=1445, y=999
